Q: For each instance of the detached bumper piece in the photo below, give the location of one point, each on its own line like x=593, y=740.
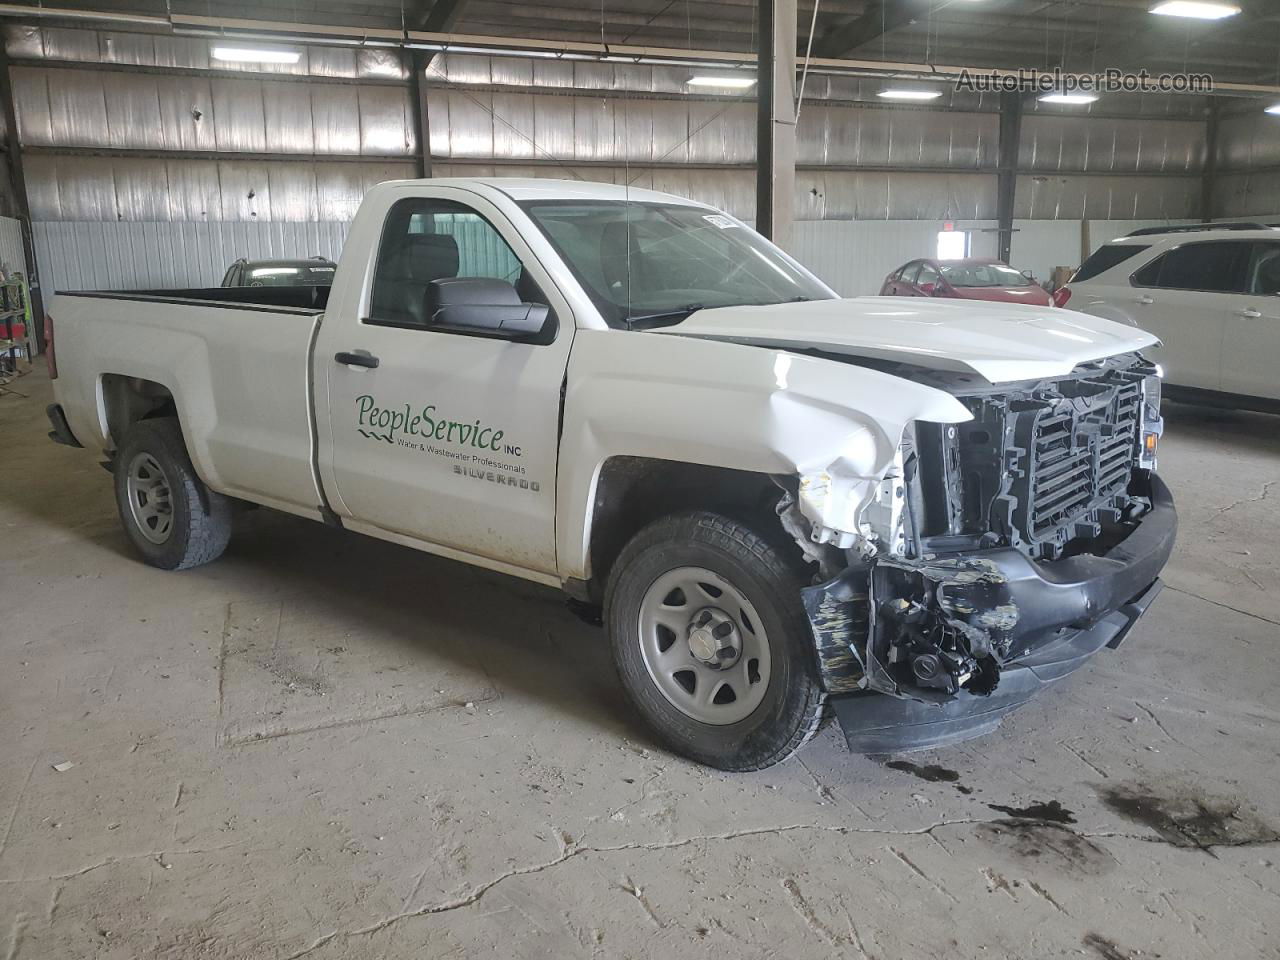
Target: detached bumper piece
x=952, y=644
x=61, y=432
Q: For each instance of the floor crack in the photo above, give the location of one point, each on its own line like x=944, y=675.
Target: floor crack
x=1225, y=606
x=1156, y=720
x=571, y=852
x=1266, y=489
x=17, y=803
x=126, y=858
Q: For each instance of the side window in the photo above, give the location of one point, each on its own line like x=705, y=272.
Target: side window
x=424, y=240
x=1149, y=275
x=1264, y=269
x=927, y=280
x=1104, y=258
x=910, y=271
x=1214, y=266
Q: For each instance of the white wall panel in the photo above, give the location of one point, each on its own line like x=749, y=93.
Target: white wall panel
x=1041, y=245
x=156, y=255
x=854, y=256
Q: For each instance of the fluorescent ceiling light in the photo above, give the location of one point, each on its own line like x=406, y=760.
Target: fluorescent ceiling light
x=1196, y=9
x=1274, y=110
x=904, y=94
x=731, y=83
x=256, y=55
x=1074, y=98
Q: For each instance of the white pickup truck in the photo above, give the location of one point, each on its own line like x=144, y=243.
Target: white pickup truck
x=919, y=513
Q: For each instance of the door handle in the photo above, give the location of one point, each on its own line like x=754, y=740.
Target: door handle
x=1249, y=313
x=356, y=359
x=1146, y=300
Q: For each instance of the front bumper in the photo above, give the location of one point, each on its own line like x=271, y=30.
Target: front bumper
x=1068, y=610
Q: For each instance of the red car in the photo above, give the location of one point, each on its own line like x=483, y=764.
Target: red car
x=976, y=278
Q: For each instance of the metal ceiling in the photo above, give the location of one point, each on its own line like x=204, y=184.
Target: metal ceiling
x=1077, y=35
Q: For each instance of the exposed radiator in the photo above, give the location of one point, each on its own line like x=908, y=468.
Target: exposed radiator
x=1037, y=467
x=1078, y=460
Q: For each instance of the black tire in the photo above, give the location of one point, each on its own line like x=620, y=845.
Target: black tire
x=201, y=519
x=791, y=710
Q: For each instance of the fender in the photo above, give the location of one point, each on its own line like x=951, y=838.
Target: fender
x=834, y=425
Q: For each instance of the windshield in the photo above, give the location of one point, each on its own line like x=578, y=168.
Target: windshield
x=982, y=275
x=647, y=263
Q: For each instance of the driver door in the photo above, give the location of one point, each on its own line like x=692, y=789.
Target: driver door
x=442, y=437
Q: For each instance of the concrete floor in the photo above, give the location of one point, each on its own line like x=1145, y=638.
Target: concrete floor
x=330, y=747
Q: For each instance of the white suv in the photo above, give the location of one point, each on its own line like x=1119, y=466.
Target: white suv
x=1211, y=293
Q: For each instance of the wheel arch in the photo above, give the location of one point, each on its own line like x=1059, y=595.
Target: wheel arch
x=125, y=400
x=632, y=492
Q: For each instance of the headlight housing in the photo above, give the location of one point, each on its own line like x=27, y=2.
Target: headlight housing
x=1152, y=422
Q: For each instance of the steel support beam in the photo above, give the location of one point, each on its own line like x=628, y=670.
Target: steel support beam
x=1007, y=170
x=421, y=113
x=776, y=120
x=1209, y=176
x=18, y=185
x=441, y=17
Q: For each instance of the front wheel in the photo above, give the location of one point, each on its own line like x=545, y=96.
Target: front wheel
x=173, y=519
x=712, y=643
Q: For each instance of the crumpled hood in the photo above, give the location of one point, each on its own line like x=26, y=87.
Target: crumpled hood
x=1000, y=342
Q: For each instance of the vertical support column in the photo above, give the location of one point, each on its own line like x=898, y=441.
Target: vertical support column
x=1209, y=175
x=418, y=63
x=18, y=184
x=776, y=120
x=1007, y=170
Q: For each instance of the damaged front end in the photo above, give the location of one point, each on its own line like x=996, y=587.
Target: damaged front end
x=995, y=556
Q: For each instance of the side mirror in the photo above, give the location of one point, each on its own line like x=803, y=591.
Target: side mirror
x=485, y=307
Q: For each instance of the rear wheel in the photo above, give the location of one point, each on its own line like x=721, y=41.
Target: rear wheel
x=172, y=518
x=712, y=643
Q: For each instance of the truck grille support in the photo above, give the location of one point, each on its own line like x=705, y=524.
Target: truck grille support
x=1038, y=467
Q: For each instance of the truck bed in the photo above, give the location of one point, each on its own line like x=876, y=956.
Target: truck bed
x=236, y=360
x=305, y=298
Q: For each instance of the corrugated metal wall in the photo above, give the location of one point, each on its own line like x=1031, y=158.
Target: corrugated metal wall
x=12, y=256
x=859, y=158
x=164, y=175
x=1248, y=157
x=145, y=189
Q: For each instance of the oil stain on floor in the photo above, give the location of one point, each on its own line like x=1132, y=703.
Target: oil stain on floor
x=1050, y=812
x=1186, y=818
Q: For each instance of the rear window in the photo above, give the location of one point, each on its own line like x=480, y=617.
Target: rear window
x=1104, y=258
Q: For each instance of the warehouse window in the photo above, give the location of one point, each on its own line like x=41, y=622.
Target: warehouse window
x=953, y=244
